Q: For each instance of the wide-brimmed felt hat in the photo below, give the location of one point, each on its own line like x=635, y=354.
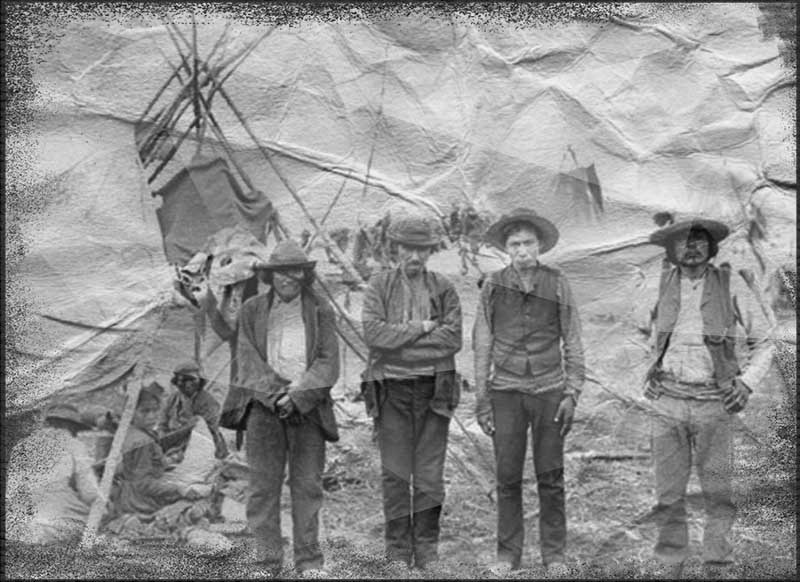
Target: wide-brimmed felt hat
x=546, y=230
x=415, y=231
x=663, y=236
x=288, y=254
x=68, y=412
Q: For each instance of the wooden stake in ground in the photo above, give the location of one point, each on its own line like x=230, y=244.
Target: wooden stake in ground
x=115, y=454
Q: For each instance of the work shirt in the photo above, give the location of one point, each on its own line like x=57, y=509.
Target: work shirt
x=398, y=344
x=415, y=299
x=687, y=358
x=398, y=341
x=286, y=338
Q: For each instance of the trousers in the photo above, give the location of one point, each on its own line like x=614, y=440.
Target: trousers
x=687, y=432
x=271, y=442
x=413, y=441
x=514, y=412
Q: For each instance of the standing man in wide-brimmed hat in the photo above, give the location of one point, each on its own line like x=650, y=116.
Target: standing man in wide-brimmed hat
x=529, y=370
x=288, y=361
x=412, y=326
x=698, y=383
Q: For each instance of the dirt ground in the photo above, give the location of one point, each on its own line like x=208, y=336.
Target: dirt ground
x=609, y=494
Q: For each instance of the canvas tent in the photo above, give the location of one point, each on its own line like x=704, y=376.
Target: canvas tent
x=682, y=112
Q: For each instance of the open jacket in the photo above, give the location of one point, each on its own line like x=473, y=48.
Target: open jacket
x=257, y=380
x=389, y=339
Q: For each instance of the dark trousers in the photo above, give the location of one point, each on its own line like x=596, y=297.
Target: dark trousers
x=413, y=442
x=684, y=432
x=270, y=442
x=514, y=412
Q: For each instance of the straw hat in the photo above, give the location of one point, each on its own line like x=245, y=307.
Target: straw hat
x=663, y=236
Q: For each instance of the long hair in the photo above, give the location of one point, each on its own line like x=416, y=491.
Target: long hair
x=309, y=276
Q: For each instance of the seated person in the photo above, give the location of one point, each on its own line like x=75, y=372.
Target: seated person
x=51, y=483
x=182, y=410
x=143, y=503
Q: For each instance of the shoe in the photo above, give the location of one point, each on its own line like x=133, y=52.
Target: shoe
x=557, y=570
x=431, y=569
x=261, y=571
x=397, y=569
x=314, y=573
x=669, y=570
x=500, y=569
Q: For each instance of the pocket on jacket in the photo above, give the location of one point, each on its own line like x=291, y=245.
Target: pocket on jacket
x=235, y=409
x=447, y=393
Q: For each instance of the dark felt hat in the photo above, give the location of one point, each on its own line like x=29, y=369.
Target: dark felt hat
x=546, y=230
x=663, y=236
x=187, y=368
x=190, y=368
x=415, y=231
x=287, y=254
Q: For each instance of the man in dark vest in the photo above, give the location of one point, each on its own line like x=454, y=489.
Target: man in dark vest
x=412, y=326
x=529, y=370
x=698, y=384
x=288, y=360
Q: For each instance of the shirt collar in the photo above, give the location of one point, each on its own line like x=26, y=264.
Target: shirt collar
x=514, y=279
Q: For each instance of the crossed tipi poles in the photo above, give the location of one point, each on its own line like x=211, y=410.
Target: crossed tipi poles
x=200, y=81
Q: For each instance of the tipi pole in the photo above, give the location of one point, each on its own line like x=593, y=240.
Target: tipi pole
x=115, y=454
x=334, y=248
x=215, y=127
x=327, y=212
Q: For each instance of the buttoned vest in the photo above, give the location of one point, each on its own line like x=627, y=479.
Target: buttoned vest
x=526, y=327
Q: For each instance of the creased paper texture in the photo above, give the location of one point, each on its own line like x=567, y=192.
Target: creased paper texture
x=598, y=123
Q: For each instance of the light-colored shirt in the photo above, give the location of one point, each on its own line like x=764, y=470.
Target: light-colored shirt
x=286, y=338
x=687, y=359
x=754, y=335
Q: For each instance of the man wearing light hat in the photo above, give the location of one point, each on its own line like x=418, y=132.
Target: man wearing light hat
x=412, y=326
x=529, y=370
x=697, y=384
x=288, y=360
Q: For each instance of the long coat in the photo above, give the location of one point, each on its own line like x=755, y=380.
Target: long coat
x=257, y=380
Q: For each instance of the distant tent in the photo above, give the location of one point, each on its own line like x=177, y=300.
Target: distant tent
x=581, y=186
